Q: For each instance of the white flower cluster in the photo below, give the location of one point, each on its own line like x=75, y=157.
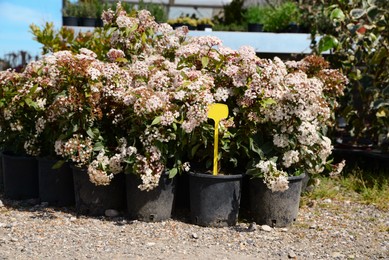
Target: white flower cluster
x=77, y=148
x=274, y=179
x=102, y=170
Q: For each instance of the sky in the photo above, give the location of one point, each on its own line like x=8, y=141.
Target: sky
x=15, y=18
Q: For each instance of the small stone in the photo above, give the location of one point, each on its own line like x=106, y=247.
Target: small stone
x=195, y=236
x=266, y=228
x=314, y=226
x=44, y=204
x=111, y=213
x=310, y=188
x=252, y=227
x=72, y=219
x=121, y=222
x=327, y=201
x=32, y=201
x=150, y=244
x=1, y=204
x=311, y=203
x=337, y=254
x=291, y=254
x=14, y=239
x=284, y=229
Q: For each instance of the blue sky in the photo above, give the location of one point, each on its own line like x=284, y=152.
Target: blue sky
x=15, y=18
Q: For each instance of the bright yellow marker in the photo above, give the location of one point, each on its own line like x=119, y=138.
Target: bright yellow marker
x=216, y=112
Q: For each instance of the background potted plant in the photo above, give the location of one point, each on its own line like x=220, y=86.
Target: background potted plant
x=70, y=14
x=204, y=23
x=350, y=31
x=88, y=13
x=282, y=18
x=231, y=17
x=18, y=113
x=254, y=16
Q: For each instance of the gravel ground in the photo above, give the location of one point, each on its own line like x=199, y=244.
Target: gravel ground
x=324, y=229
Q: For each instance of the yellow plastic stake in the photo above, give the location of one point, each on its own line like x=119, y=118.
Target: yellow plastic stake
x=217, y=112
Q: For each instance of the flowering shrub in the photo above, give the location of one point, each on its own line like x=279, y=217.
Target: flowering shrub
x=142, y=108
x=293, y=125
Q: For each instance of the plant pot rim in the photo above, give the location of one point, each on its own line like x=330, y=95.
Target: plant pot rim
x=289, y=178
x=298, y=177
x=219, y=176
x=12, y=154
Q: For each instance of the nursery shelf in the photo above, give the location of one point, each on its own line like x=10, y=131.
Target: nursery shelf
x=262, y=42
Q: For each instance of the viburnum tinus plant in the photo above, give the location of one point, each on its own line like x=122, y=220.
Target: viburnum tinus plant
x=17, y=113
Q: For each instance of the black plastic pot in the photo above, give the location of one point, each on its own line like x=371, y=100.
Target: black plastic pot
x=20, y=177
x=87, y=22
x=93, y=199
x=150, y=206
x=69, y=21
x=255, y=27
x=99, y=22
x=55, y=185
x=1, y=172
x=202, y=27
x=214, y=200
x=276, y=209
x=182, y=198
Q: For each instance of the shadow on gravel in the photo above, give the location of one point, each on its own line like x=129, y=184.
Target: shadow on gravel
x=42, y=210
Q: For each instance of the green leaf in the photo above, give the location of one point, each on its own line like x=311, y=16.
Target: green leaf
x=337, y=14
x=357, y=13
x=194, y=149
x=98, y=146
x=58, y=164
x=121, y=59
x=379, y=55
x=204, y=61
x=75, y=128
x=254, y=147
x=381, y=113
x=173, y=172
x=33, y=89
x=156, y=120
x=380, y=103
x=385, y=91
x=90, y=133
x=144, y=37
x=327, y=42
x=30, y=103
x=253, y=171
x=372, y=13
x=267, y=102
